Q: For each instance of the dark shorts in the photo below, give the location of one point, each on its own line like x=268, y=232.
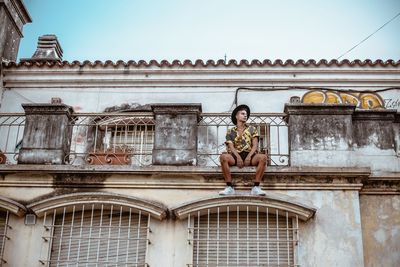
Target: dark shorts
x=243, y=155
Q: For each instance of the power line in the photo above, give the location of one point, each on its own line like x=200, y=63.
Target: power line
x=398, y=14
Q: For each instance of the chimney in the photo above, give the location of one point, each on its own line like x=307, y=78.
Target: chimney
x=48, y=49
x=13, y=17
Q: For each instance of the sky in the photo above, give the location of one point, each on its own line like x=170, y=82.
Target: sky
x=210, y=29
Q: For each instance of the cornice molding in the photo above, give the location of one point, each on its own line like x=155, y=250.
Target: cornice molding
x=165, y=177
x=385, y=183
x=12, y=206
x=217, y=63
x=155, y=209
x=128, y=74
x=121, y=169
x=293, y=206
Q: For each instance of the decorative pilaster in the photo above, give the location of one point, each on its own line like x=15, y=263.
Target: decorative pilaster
x=47, y=134
x=175, y=141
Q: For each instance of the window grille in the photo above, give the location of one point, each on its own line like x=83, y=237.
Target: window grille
x=3, y=234
x=130, y=138
x=243, y=236
x=96, y=235
x=138, y=138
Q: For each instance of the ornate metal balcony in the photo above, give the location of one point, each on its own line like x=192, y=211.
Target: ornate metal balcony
x=128, y=138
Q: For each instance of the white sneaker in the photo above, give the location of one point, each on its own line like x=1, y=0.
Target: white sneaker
x=256, y=190
x=227, y=191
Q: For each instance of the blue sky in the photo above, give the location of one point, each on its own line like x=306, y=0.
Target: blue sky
x=209, y=29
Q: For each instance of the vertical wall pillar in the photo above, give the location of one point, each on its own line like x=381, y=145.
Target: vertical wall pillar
x=13, y=17
x=47, y=134
x=320, y=134
x=396, y=128
x=374, y=139
x=374, y=127
x=175, y=141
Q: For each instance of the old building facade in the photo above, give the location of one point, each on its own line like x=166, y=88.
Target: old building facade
x=116, y=163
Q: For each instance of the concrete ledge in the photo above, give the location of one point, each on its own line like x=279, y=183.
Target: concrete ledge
x=319, y=109
x=179, y=177
x=118, y=169
x=382, y=183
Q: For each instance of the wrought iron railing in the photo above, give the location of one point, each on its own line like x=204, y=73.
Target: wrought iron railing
x=128, y=138
x=11, y=134
x=115, y=139
x=272, y=127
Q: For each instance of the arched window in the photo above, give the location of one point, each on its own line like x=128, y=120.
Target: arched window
x=7, y=207
x=3, y=233
x=244, y=230
x=97, y=229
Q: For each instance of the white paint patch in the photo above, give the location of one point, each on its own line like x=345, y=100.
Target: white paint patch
x=395, y=232
x=383, y=216
x=380, y=236
x=396, y=203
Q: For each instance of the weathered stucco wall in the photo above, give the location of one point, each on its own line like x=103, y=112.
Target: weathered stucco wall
x=97, y=99
x=92, y=88
x=332, y=238
x=340, y=135
x=9, y=38
x=380, y=218
x=24, y=248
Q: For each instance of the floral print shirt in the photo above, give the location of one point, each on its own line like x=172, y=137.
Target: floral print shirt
x=242, y=143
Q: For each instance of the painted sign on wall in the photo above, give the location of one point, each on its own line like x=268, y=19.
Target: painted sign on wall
x=368, y=100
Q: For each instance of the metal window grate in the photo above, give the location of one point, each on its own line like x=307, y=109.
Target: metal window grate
x=138, y=139
x=243, y=236
x=4, y=215
x=112, y=138
x=96, y=235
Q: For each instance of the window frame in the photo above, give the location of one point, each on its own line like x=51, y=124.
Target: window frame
x=51, y=227
x=293, y=207
x=3, y=234
x=153, y=209
x=291, y=229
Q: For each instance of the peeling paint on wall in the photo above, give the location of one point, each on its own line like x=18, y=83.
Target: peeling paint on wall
x=381, y=229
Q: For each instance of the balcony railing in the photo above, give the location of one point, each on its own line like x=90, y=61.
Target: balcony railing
x=116, y=139
x=128, y=138
x=272, y=128
x=11, y=134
